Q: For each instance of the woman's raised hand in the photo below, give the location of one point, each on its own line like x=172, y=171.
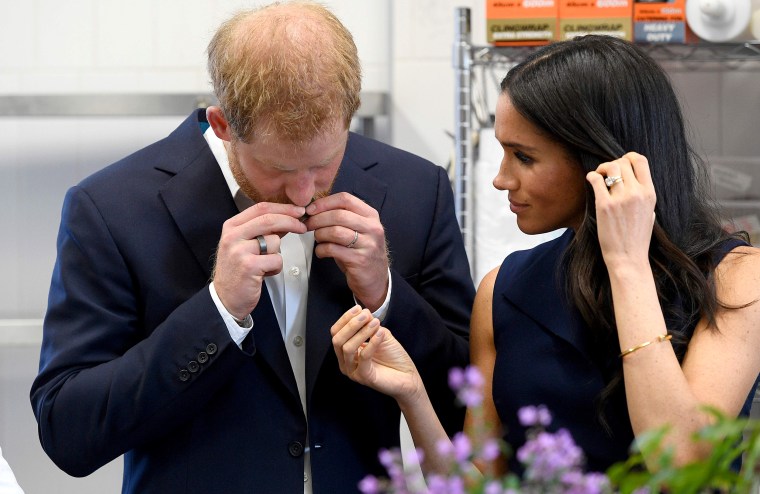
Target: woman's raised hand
x=625, y=201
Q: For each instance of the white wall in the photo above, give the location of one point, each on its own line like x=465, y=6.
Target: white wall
x=82, y=46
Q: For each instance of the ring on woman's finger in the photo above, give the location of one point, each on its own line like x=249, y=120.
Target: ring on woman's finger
x=612, y=180
x=262, y=244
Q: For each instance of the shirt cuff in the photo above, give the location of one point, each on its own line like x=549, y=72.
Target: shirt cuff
x=382, y=311
x=237, y=332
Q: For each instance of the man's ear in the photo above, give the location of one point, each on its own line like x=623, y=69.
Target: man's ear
x=216, y=120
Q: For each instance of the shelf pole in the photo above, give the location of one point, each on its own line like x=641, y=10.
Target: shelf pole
x=462, y=61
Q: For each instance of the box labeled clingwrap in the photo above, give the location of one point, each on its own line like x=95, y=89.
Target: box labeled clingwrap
x=521, y=22
x=610, y=17
x=660, y=22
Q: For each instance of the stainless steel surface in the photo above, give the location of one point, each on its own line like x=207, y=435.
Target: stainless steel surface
x=462, y=62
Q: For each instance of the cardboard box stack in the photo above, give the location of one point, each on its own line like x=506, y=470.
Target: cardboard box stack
x=610, y=17
x=536, y=22
x=660, y=22
x=521, y=22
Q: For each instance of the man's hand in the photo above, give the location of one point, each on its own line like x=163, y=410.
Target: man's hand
x=240, y=266
x=348, y=230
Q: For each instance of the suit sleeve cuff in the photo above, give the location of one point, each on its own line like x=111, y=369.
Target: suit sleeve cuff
x=238, y=331
x=382, y=311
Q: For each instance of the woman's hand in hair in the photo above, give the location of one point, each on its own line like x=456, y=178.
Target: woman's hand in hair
x=624, y=211
x=370, y=355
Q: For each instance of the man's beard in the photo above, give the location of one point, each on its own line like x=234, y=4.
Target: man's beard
x=253, y=193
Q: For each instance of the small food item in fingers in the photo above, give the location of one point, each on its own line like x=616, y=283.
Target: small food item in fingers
x=306, y=215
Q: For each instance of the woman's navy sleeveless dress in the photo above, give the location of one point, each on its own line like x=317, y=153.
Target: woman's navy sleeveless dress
x=544, y=356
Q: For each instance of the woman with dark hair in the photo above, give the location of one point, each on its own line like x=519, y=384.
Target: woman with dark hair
x=643, y=311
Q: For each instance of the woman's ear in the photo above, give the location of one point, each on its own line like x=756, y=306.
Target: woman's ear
x=216, y=120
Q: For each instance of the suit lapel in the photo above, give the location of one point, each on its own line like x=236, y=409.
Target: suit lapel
x=269, y=343
x=537, y=290
x=329, y=295
x=199, y=200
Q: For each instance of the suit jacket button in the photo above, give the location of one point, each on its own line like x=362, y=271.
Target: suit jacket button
x=203, y=357
x=211, y=348
x=295, y=449
x=184, y=375
x=193, y=366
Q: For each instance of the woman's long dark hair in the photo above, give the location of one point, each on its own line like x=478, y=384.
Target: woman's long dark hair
x=601, y=97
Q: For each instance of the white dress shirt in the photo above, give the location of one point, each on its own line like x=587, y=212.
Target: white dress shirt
x=288, y=290
x=8, y=484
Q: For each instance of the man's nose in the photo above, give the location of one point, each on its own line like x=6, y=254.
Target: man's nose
x=302, y=189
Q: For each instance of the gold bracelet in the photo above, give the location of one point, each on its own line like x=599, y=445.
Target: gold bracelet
x=659, y=339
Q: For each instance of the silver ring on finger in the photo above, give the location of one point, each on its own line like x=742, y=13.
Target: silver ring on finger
x=612, y=180
x=262, y=244
x=353, y=242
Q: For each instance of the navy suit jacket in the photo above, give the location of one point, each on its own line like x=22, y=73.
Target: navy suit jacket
x=136, y=359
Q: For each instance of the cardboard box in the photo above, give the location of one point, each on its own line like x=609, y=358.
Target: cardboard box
x=521, y=22
x=610, y=17
x=660, y=22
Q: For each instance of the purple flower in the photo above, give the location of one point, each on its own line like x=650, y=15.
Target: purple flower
x=490, y=450
x=445, y=448
x=544, y=416
x=393, y=463
x=468, y=384
x=548, y=455
x=462, y=447
x=576, y=482
x=456, y=485
x=369, y=485
x=552, y=460
x=416, y=455
x=493, y=487
x=531, y=416
x=437, y=484
x=572, y=477
x=456, y=378
x=473, y=377
x=597, y=482
x=386, y=457
x=470, y=397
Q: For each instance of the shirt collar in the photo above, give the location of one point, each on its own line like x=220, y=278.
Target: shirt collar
x=220, y=153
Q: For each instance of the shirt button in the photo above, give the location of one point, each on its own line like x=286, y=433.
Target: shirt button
x=298, y=341
x=294, y=271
